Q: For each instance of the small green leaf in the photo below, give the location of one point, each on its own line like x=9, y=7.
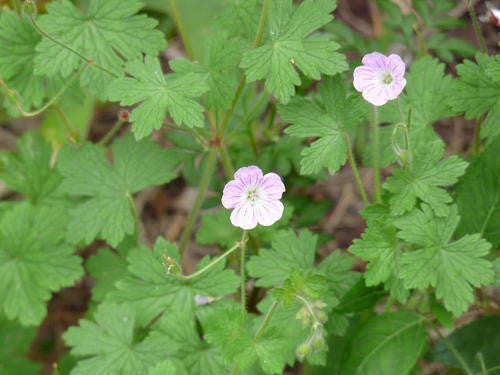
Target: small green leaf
x=109, y=344
x=158, y=93
x=377, y=343
x=34, y=262
x=453, y=268
x=288, y=46
x=107, y=268
x=168, y=367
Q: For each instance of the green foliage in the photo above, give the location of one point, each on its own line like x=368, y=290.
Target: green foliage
x=34, y=261
x=178, y=336
x=151, y=290
x=451, y=267
x=273, y=266
x=167, y=367
x=159, y=93
x=374, y=347
x=105, y=210
x=380, y=247
x=475, y=342
x=477, y=90
x=287, y=45
x=478, y=195
x=108, y=32
x=107, y=268
x=15, y=341
x=423, y=179
x=222, y=54
x=18, y=40
x=110, y=344
x=328, y=118
x=28, y=171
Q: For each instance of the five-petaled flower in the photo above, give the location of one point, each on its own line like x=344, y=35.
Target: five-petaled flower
x=380, y=78
x=254, y=198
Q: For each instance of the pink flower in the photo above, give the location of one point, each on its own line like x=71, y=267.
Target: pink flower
x=380, y=78
x=255, y=198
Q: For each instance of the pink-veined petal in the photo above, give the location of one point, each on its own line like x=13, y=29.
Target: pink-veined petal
x=249, y=175
x=272, y=186
x=364, y=76
x=233, y=194
x=375, y=60
x=243, y=216
x=396, y=65
x=268, y=212
x=375, y=95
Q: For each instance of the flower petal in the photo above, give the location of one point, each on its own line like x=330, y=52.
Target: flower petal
x=243, y=216
x=249, y=175
x=375, y=60
x=233, y=194
x=272, y=186
x=268, y=212
x=364, y=76
x=375, y=95
x=396, y=65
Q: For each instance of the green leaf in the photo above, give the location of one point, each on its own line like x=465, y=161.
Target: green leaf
x=328, y=118
x=453, y=268
x=28, y=171
x=151, y=290
x=158, y=93
x=477, y=92
x=478, y=195
x=106, y=210
x=15, y=342
x=288, y=46
x=17, y=52
x=309, y=284
x=107, y=268
x=108, y=32
x=237, y=344
x=377, y=343
x=109, y=344
x=379, y=246
x=428, y=92
x=241, y=17
x=34, y=262
x=168, y=367
x=222, y=54
x=273, y=266
x=178, y=334
x=424, y=180
x=479, y=338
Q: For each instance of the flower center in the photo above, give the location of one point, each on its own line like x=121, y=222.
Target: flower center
x=386, y=77
x=252, y=194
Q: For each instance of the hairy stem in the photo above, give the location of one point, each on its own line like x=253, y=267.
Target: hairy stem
x=375, y=155
x=181, y=29
x=479, y=35
x=205, y=180
x=354, y=168
x=74, y=135
x=226, y=162
x=52, y=100
x=243, y=292
x=104, y=140
x=88, y=61
x=209, y=265
x=247, y=118
x=477, y=136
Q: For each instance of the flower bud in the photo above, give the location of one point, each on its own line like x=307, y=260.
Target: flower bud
x=303, y=350
x=321, y=315
x=29, y=8
x=318, y=342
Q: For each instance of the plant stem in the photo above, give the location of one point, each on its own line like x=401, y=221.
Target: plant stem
x=104, y=140
x=226, y=162
x=87, y=60
x=181, y=29
x=354, y=168
x=261, y=329
x=209, y=265
x=207, y=175
x=309, y=308
x=247, y=117
x=454, y=351
x=388, y=305
x=239, y=90
x=74, y=135
x=52, y=100
x=477, y=136
x=375, y=155
x=200, y=135
x=479, y=35
x=243, y=295
x=17, y=5
x=401, y=118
